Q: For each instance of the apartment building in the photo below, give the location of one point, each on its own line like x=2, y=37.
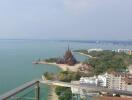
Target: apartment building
x=116, y=80
x=119, y=81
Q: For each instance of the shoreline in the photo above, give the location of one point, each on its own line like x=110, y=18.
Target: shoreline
x=64, y=67
x=85, y=54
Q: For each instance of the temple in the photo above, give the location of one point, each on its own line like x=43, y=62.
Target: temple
x=68, y=58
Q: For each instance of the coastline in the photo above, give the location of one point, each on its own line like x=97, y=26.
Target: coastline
x=64, y=67
x=85, y=54
x=52, y=95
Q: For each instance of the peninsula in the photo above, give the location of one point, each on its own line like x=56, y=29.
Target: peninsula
x=95, y=71
x=68, y=61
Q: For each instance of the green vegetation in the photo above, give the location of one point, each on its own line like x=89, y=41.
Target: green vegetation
x=51, y=60
x=109, y=61
x=104, y=61
x=65, y=76
x=68, y=76
x=63, y=93
x=49, y=76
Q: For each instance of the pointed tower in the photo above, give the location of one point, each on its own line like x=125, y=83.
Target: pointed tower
x=69, y=58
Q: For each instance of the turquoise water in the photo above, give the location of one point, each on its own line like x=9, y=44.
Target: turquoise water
x=16, y=58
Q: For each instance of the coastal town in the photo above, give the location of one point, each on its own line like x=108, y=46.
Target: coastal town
x=65, y=49
x=110, y=79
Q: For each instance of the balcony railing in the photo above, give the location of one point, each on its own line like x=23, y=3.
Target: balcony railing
x=13, y=94
x=34, y=87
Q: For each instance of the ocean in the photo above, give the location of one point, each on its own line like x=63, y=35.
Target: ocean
x=16, y=57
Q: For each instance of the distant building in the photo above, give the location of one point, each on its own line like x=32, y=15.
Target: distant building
x=89, y=80
x=119, y=81
x=74, y=89
x=95, y=49
x=83, y=93
x=128, y=81
x=123, y=50
x=114, y=80
x=130, y=52
x=127, y=51
x=102, y=80
x=130, y=69
x=68, y=58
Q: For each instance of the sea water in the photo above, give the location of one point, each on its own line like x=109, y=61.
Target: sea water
x=16, y=57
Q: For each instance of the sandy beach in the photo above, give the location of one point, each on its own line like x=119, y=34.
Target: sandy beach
x=64, y=67
x=85, y=54
x=52, y=95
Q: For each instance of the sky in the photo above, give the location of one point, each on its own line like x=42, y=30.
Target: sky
x=66, y=19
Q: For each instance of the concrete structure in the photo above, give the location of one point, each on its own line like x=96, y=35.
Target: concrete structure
x=127, y=51
x=74, y=89
x=130, y=69
x=83, y=93
x=94, y=49
x=116, y=81
x=129, y=87
x=120, y=81
x=123, y=50
x=102, y=80
x=89, y=80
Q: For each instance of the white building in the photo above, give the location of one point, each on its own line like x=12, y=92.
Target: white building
x=74, y=89
x=123, y=50
x=89, y=80
x=102, y=80
x=114, y=80
x=94, y=49
x=127, y=51
x=83, y=93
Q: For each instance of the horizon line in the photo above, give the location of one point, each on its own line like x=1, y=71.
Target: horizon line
x=70, y=40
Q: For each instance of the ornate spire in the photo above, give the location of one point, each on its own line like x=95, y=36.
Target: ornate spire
x=68, y=47
x=68, y=58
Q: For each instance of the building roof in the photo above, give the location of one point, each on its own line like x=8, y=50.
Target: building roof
x=118, y=74
x=128, y=80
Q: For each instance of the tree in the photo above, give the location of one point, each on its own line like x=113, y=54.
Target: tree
x=64, y=93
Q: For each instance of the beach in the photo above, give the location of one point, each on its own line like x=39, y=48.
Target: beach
x=85, y=54
x=52, y=95
x=63, y=67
